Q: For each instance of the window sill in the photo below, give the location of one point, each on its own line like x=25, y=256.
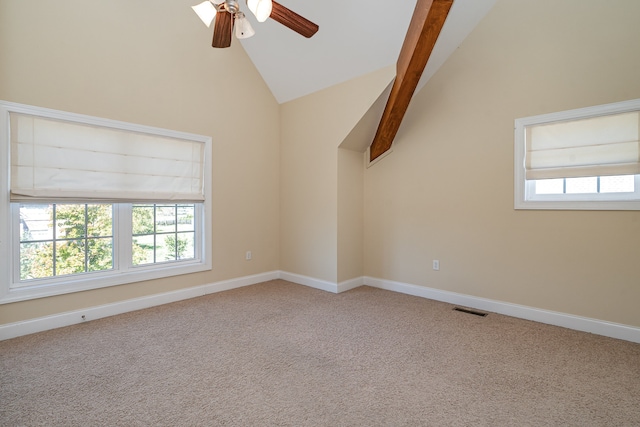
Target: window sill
x=66, y=285
x=578, y=205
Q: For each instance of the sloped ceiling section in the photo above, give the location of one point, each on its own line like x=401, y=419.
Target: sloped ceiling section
x=363, y=132
x=355, y=38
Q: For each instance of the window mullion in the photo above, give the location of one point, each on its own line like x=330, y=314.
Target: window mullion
x=198, y=238
x=55, y=240
x=86, y=238
x=16, y=246
x=122, y=235
x=155, y=233
x=175, y=232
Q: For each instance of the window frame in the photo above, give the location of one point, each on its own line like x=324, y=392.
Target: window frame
x=524, y=197
x=123, y=272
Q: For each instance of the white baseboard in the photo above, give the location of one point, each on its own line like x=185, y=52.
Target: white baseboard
x=324, y=285
x=585, y=324
x=12, y=330
x=595, y=326
x=350, y=284
x=309, y=281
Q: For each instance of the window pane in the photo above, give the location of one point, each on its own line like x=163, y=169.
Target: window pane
x=550, y=186
x=177, y=246
x=582, y=185
x=142, y=219
x=143, y=250
x=617, y=184
x=186, y=246
x=165, y=218
x=69, y=257
x=185, y=218
x=36, y=222
x=100, y=255
x=70, y=221
x=166, y=247
x=36, y=260
x=99, y=221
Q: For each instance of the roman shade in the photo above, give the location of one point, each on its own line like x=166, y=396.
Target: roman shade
x=596, y=146
x=58, y=160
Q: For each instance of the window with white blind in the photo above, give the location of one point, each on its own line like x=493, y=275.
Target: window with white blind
x=91, y=202
x=587, y=158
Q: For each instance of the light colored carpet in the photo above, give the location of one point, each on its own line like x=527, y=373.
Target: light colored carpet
x=280, y=354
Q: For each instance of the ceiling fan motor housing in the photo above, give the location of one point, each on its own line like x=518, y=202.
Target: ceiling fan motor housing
x=232, y=6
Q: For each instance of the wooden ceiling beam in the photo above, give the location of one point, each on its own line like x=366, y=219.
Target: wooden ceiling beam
x=427, y=22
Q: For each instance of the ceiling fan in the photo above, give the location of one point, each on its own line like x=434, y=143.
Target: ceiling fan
x=227, y=14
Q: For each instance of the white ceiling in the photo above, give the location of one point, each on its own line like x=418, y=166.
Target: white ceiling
x=356, y=37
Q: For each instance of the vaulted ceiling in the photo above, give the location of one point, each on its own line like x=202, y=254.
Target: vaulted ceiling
x=356, y=37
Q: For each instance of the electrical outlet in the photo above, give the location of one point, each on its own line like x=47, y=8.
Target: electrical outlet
x=248, y=256
x=436, y=264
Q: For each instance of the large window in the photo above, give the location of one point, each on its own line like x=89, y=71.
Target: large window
x=579, y=159
x=89, y=202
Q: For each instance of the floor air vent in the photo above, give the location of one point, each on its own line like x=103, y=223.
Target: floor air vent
x=466, y=310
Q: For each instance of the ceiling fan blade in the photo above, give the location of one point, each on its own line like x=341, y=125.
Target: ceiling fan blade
x=292, y=20
x=222, y=29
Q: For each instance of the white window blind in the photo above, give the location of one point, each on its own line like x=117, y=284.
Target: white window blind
x=595, y=146
x=63, y=160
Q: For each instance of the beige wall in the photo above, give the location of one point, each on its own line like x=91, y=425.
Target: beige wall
x=111, y=60
x=312, y=129
x=446, y=192
x=350, y=214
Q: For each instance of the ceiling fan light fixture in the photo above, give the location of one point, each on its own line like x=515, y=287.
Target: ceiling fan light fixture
x=243, y=26
x=205, y=11
x=260, y=8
